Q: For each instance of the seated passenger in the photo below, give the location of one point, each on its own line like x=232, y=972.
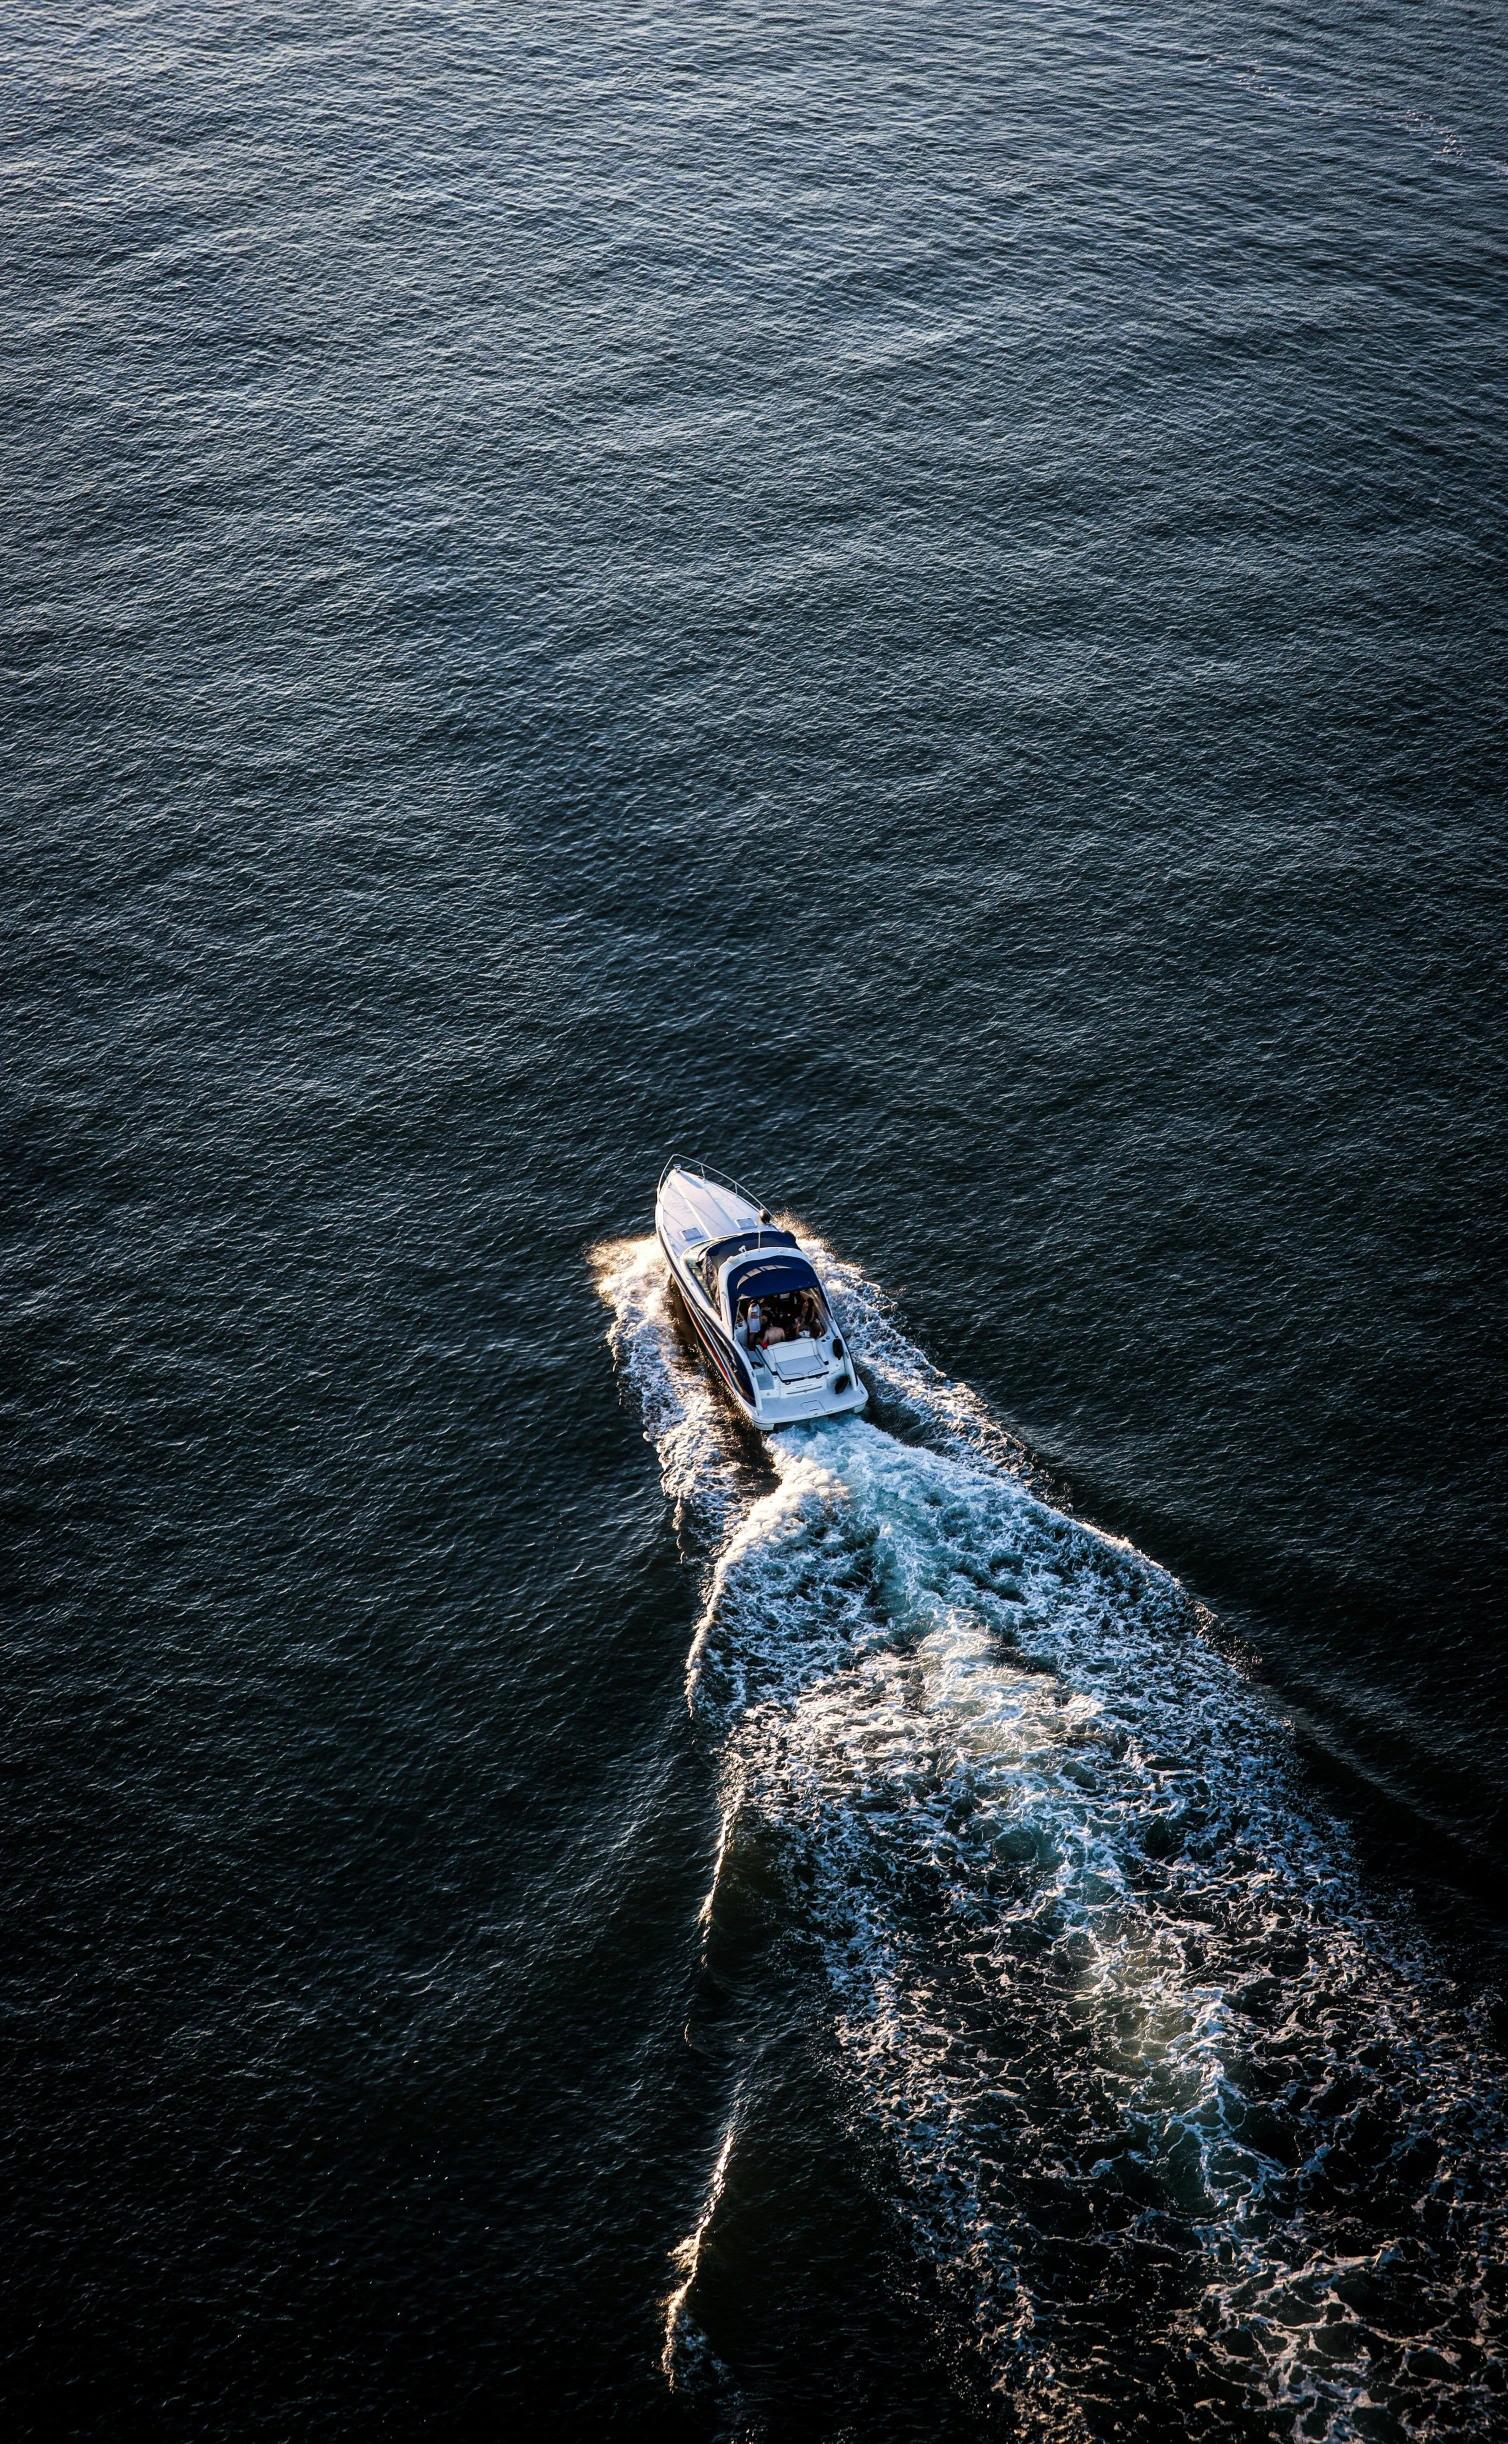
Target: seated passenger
x=746, y=1330
x=774, y=1328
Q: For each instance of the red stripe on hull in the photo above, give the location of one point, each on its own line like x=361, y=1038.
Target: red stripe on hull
x=708, y=1343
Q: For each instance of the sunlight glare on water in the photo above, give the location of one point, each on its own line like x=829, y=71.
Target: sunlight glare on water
x=907, y=595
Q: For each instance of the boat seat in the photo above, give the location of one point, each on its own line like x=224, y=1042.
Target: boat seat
x=792, y=1361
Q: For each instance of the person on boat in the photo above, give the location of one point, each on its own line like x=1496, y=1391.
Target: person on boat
x=746, y=1331
x=774, y=1328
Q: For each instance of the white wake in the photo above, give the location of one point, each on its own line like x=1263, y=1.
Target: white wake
x=1104, y=1976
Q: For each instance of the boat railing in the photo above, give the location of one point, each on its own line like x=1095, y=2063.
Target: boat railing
x=720, y=1179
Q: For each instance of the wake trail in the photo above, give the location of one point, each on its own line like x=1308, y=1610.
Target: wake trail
x=1183, y=2122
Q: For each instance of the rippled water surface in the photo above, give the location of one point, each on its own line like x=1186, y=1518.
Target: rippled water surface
x=910, y=600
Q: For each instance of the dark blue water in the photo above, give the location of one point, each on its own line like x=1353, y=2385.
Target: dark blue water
x=909, y=600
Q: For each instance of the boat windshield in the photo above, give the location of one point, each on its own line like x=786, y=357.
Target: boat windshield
x=712, y=1258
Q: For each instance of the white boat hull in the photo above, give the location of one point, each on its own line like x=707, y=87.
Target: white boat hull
x=720, y=1244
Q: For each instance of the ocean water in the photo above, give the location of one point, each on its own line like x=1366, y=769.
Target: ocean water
x=909, y=600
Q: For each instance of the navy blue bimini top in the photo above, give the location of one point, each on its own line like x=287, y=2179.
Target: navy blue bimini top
x=769, y=1277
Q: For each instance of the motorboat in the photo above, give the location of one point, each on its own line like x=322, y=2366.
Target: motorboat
x=753, y=1300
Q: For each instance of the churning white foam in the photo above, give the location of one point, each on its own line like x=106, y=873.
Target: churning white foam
x=1144, y=2059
